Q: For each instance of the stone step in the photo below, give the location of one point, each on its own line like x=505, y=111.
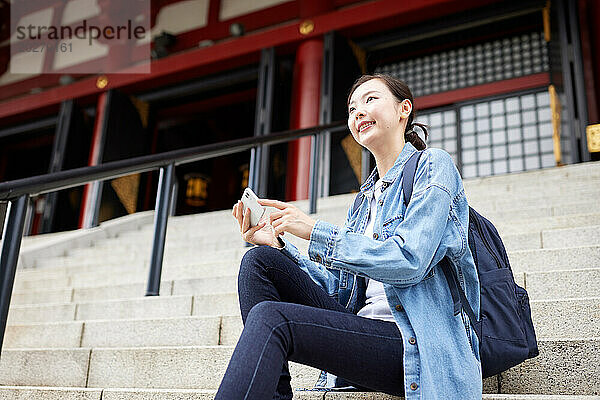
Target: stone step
x=41, y=313
x=78, y=274
x=553, y=238
x=556, y=319
x=541, y=286
x=162, y=367
x=141, y=307
x=219, y=242
x=48, y=279
x=559, y=319
x=581, y=236
x=544, y=260
x=538, y=260
x=49, y=393
x=132, y=283
x=224, y=240
x=182, y=394
x=563, y=367
x=64, y=295
x=532, y=194
x=570, y=172
x=216, y=304
x=540, y=212
x=115, y=275
x=190, y=254
x=566, y=319
x=207, y=285
x=190, y=258
x=151, y=361
x=91, y=260
x=89, y=294
x=532, y=198
x=381, y=396
x=223, y=223
x=502, y=217
x=182, y=331
x=563, y=284
x=545, y=223
x=513, y=185
x=45, y=367
x=43, y=335
x=510, y=203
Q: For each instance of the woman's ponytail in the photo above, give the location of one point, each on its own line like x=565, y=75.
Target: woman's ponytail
x=411, y=136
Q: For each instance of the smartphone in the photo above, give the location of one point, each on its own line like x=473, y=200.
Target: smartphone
x=250, y=200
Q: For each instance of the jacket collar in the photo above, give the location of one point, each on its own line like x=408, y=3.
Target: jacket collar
x=393, y=173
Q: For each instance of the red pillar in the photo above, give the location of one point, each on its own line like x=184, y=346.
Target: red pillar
x=306, y=94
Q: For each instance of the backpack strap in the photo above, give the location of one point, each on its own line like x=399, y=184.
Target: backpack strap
x=458, y=296
x=357, y=201
x=408, y=175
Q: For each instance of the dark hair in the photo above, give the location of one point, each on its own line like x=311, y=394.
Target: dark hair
x=401, y=92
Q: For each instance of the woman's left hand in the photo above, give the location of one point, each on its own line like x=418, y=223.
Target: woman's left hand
x=289, y=219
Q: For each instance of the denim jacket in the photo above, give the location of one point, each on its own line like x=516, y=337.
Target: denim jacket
x=441, y=356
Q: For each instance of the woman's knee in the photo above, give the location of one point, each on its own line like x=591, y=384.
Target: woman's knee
x=258, y=258
x=268, y=312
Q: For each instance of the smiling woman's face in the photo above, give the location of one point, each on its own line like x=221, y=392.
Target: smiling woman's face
x=375, y=117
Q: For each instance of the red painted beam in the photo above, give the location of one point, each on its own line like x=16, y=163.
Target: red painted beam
x=374, y=14
x=488, y=89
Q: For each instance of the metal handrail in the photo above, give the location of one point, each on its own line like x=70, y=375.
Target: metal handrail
x=18, y=192
x=40, y=184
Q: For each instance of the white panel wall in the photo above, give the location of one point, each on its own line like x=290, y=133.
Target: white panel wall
x=78, y=10
x=235, y=8
x=182, y=16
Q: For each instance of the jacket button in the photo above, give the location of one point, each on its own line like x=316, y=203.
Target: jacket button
x=318, y=258
x=399, y=307
x=414, y=386
x=375, y=235
x=380, y=202
x=412, y=340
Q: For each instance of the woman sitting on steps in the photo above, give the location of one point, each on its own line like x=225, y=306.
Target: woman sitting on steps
x=369, y=304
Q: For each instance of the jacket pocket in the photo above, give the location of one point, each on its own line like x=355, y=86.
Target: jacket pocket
x=390, y=225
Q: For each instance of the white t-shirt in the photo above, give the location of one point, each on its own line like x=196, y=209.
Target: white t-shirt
x=376, y=306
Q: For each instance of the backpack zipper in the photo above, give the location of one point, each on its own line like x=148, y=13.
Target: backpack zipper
x=485, y=242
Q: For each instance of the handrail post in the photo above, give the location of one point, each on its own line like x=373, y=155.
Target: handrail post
x=161, y=216
x=314, y=173
x=11, y=244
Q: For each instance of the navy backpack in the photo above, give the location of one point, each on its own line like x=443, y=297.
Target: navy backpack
x=505, y=330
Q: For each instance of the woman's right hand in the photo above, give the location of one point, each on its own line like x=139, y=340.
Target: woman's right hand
x=261, y=234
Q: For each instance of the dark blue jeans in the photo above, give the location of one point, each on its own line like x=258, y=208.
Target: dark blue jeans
x=288, y=317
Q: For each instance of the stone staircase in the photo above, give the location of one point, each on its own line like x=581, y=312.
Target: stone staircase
x=80, y=327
